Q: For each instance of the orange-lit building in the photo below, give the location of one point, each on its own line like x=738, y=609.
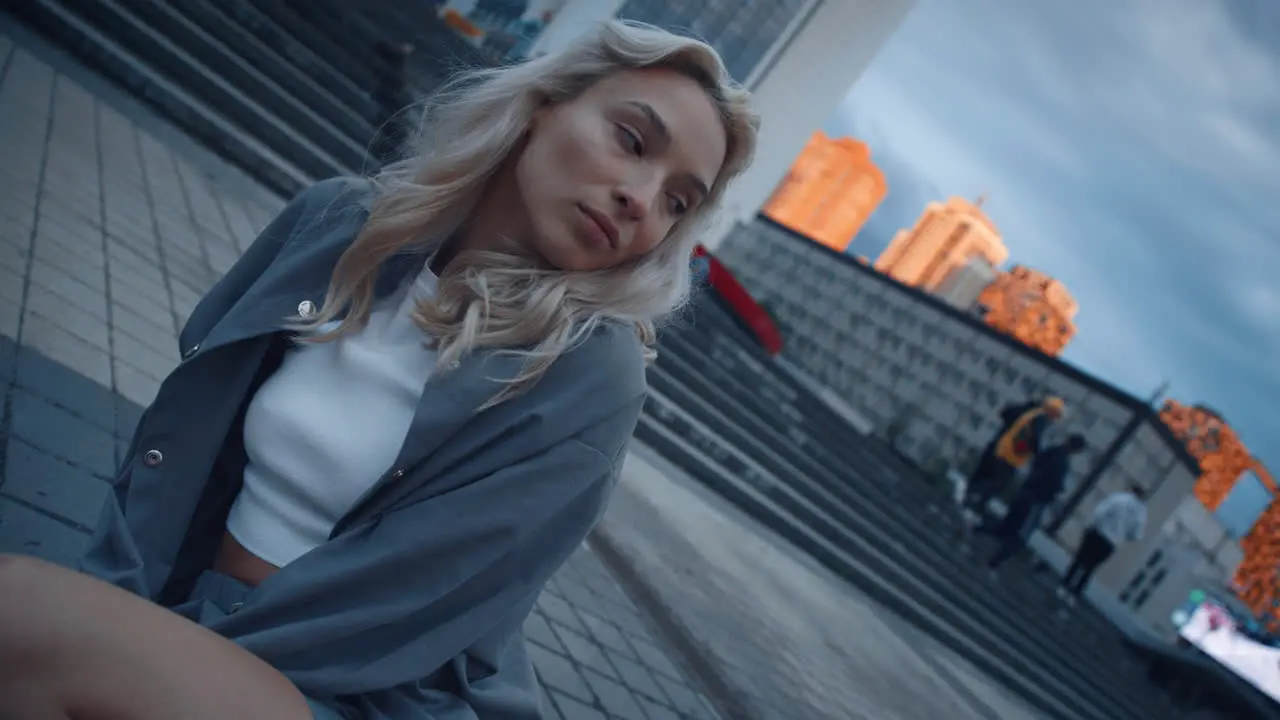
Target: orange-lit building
x=947, y=237
x=1032, y=307
x=1224, y=460
x=831, y=189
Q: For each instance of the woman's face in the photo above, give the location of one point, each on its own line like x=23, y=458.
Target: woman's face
x=605, y=177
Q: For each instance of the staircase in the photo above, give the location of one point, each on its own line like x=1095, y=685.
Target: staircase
x=291, y=91
x=725, y=414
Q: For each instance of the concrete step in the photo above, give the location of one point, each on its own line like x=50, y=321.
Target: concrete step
x=297, y=51
x=305, y=23
x=865, y=561
x=173, y=48
x=101, y=50
x=902, y=531
x=269, y=71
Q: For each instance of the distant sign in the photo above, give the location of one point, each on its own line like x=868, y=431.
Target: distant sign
x=507, y=29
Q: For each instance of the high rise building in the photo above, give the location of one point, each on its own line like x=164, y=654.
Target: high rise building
x=1226, y=469
x=962, y=286
x=830, y=190
x=798, y=57
x=946, y=237
x=1032, y=307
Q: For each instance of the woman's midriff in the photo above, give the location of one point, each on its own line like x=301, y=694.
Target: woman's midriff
x=235, y=561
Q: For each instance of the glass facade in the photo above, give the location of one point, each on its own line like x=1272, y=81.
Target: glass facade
x=742, y=31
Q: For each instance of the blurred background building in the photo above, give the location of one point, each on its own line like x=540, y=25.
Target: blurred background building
x=1240, y=491
x=830, y=191
x=1030, y=306
x=947, y=237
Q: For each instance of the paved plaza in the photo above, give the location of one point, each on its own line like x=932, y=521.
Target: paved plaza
x=112, y=226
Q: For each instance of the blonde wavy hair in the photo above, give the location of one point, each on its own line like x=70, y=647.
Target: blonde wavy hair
x=508, y=300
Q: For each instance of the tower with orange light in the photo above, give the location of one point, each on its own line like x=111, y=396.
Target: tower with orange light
x=947, y=237
x=1031, y=306
x=831, y=189
x=1224, y=459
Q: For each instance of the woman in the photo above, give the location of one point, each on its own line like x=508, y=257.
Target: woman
x=345, y=501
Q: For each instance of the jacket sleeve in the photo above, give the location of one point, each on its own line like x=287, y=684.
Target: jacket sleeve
x=442, y=586
x=112, y=554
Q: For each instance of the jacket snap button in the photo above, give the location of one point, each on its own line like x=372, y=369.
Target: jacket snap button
x=306, y=309
x=397, y=474
x=152, y=458
x=190, y=351
x=235, y=607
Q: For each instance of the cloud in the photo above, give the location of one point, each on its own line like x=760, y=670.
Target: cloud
x=1129, y=147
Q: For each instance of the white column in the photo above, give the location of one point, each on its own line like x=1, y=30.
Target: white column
x=797, y=87
x=573, y=19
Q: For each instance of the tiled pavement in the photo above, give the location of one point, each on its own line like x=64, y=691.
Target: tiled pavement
x=111, y=228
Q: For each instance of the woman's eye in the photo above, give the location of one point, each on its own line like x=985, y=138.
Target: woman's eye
x=631, y=140
x=678, y=206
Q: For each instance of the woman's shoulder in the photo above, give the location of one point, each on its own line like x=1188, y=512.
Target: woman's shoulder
x=609, y=361
x=342, y=197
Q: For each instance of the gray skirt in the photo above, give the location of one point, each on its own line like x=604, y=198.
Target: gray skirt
x=215, y=596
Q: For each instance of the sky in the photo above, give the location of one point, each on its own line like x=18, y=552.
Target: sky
x=1130, y=148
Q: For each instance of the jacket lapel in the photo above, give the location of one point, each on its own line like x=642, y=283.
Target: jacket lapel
x=294, y=288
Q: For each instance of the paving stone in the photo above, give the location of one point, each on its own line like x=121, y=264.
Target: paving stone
x=134, y=384
x=558, y=673
x=160, y=339
x=636, y=676
x=67, y=388
x=11, y=285
x=72, y=493
x=68, y=317
x=30, y=532
x=13, y=253
x=557, y=609
x=654, y=658
x=584, y=650
x=571, y=709
x=682, y=698
x=71, y=286
x=607, y=634
x=152, y=304
x=10, y=317
x=538, y=630
x=71, y=350
x=547, y=706
x=614, y=697
x=141, y=356
x=57, y=431
x=657, y=711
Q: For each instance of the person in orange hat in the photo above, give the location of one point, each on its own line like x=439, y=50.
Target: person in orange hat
x=1019, y=440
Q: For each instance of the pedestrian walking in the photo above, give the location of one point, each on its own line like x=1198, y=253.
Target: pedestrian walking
x=1020, y=437
x=1121, y=517
x=1044, y=482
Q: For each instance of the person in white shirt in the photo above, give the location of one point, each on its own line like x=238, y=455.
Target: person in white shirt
x=1121, y=517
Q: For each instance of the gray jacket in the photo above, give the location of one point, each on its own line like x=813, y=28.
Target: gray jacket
x=414, y=607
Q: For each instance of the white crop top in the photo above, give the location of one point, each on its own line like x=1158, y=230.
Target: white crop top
x=326, y=425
